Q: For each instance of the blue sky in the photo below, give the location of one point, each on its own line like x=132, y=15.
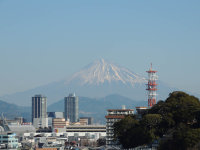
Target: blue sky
x=45, y=41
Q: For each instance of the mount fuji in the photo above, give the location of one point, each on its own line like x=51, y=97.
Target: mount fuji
x=96, y=80
x=101, y=72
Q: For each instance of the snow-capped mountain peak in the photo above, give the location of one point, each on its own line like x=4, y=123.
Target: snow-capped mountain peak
x=99, y=79
x=101, y=71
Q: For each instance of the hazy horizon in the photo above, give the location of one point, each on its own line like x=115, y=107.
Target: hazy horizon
x=45, y=41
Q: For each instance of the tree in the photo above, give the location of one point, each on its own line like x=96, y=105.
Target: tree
x=174, y=121
x=151, y=121
x=130, y=133
x=183, y=107
x=183, y=138
x=101, y=142
x=123, y=126
x=136, y=136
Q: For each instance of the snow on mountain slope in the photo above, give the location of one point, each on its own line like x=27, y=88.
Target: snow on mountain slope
x=101, y=71
x=96, y=80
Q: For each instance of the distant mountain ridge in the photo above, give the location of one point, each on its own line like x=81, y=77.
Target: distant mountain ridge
x=97, y=107
x=98, y=79
x=11, y=111
x=88, y=107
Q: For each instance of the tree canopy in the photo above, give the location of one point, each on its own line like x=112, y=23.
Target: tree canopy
x=171, y=122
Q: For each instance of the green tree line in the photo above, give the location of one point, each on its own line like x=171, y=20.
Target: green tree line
x=174, y=123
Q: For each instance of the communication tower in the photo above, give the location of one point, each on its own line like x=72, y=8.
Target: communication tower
x=151, y=87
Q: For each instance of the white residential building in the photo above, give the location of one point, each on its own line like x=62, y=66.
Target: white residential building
x=114, y=115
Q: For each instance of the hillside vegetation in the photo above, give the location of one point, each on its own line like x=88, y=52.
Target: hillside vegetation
x=174, y=123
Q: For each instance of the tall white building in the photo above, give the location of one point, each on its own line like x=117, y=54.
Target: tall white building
x=39, y=111
x=71, y=108
x=114, y=115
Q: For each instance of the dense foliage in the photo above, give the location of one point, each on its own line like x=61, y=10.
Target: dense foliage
x=175, y=123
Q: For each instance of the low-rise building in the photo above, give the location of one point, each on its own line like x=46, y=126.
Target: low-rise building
x=52, y=115
x=86, y=120
x=9, y=140
x=140, y=111
x=86, y=129
x=59, y=123
x=93, y=131
x=20, y=129
x=46, y=149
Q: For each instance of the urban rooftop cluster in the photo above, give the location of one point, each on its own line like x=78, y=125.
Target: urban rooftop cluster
x=65, y=130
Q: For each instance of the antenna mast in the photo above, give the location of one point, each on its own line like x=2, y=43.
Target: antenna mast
x=151, y=87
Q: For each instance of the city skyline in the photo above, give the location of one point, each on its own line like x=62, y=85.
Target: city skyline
x=41, y=40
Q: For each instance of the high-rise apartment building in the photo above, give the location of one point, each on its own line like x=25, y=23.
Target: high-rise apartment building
x=39, y=111
x=71, y=108
x=114, y=115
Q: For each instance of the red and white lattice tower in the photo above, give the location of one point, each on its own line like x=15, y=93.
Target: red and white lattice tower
x=151, y=87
